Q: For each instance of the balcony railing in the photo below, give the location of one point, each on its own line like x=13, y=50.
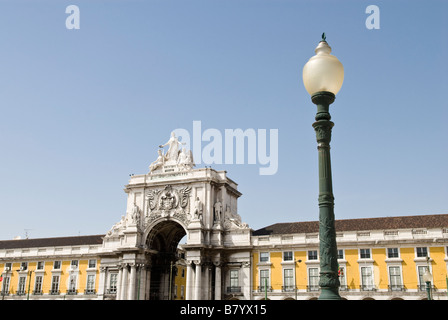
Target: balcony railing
x=312, y=288
x=396, y=287
x=233, y=289
x=290, y=288
x=422, y=287
x=89, y=291
x=72, y=291
x=367, y=287
x=263, y=289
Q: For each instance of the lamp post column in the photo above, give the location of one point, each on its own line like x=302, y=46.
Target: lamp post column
x=329, y=281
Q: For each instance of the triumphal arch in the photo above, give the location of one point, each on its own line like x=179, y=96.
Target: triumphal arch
x=175, y=201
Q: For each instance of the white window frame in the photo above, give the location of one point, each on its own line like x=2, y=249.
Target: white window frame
x=54, y=289
x=313, y=285
x=314, y=257
x=289, y=286
x=421, y=257
x=268, y=257
x=38, y=285
x=261, y=283
x=90, y=285
x=59, y=266
x=367, y=285
x=361, y=253
x=287, y=252
x=391, y=248
x=399, y=276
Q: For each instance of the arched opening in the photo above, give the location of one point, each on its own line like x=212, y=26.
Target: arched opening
x=162, y=241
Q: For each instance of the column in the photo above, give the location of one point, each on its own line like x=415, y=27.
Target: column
x=148, y=282
x=206, y=284
x=124, y=282
x=142, y=282
x=132, y=281
x=102, y=282
x=218, y=281
x=120, y=276
x=189, y=285
x=197, y=282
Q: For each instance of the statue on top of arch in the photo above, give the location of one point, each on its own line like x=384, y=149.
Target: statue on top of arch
x=175, y=159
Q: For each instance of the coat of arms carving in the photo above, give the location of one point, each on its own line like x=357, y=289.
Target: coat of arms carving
x=168, y=201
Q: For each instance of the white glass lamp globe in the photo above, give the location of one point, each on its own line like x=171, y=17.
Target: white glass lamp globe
x=323, y=72
x=427, y=276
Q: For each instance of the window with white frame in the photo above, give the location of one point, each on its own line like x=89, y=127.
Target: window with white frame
x=92, y=264
x=113, y=283
x=367, y=278
x=5, y=285
x=364, y=253
x=264, y=279
x=313, y=279
x=421, y=271
x=54, y=285
x=234, y=281
x=312, y=255
x=74, y=264
x=395, y=278
x=421, y=252
x=288, y=279
x=40, y=265
x=340, y=254
x=288, y=256
x=72, y=284
x=21, y=285
x=264, y=256
x=57, y=265
x=38, y=285
x=393, y=253
x=341, y=274
x=23, y=266
x=90, y=287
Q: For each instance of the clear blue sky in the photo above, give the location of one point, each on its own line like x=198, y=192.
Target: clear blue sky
x=83, y=109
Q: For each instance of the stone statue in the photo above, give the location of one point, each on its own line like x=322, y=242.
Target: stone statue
x=185, y=159
x=135, y=215
x=158, y=163
x=173, y=149
x=197, y=213
x=174, y=159
x=218, y=210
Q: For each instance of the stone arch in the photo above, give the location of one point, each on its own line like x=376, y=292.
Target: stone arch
x=164, y=235
x=161, y=239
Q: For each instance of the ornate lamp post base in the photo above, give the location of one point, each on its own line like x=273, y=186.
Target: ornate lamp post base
x=329, y=281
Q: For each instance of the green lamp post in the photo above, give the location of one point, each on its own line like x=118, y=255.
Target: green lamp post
x=323, y=76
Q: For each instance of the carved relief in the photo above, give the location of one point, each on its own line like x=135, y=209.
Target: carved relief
x=168, y=201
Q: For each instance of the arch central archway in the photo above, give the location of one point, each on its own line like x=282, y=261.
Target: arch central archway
x=162, y=241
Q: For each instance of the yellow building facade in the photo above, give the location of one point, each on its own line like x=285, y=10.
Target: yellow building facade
x=54, y=268
x=379, y=258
